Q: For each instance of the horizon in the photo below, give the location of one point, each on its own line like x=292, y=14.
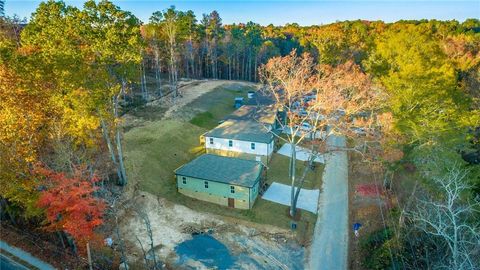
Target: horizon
x=278, y=13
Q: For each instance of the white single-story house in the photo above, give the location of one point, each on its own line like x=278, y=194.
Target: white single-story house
x=243, y=139
x=266, y=114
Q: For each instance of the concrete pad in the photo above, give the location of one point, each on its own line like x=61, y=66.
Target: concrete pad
x=302, y=153
x=280, y=193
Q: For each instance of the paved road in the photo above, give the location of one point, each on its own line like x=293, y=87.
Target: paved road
x=8, y=264
x=329, y=249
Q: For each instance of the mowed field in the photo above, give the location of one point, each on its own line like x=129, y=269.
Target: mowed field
x=154, y=149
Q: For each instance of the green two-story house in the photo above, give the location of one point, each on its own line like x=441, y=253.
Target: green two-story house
x=222, y=180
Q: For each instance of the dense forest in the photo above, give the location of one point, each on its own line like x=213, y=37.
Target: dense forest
x=69, y=74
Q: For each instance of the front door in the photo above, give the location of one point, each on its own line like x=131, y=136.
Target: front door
x=231, y=202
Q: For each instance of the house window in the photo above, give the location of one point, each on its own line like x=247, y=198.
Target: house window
x=206, y=184
x=184, y=180
x=232, y=189
x=252, y=146
x=230, y=143
x=211, y=140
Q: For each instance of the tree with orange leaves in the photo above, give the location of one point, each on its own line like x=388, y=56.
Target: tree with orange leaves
x=70, y=204
x=320, y=101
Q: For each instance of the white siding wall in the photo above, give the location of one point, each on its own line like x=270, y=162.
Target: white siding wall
x=262, y=149
x=270, y=148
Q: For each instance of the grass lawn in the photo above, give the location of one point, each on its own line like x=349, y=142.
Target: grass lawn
x=278, y=172
x=153, y=151
x=217, y=104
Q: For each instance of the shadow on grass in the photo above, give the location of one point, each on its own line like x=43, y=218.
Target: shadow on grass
x=204, y=119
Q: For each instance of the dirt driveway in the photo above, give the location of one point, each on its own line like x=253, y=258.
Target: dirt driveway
x=189, y=93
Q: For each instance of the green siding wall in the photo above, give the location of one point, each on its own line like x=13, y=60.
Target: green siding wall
x=254, y=192
x=217, y=192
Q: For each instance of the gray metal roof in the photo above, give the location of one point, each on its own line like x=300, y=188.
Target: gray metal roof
x=250, y=131
x=221, y=169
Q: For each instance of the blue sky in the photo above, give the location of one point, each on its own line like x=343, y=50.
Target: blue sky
x=299, y=11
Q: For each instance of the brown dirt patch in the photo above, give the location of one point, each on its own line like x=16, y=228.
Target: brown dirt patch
x=172, y=224
x=364, y=207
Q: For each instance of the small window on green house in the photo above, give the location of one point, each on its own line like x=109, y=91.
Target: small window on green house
x=184, y=180
x=230, y=143
x=206, y=184
x=252, y=146
x=232, y=189
x=211, y=140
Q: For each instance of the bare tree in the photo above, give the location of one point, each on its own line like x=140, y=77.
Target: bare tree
x=289, y=80
x=171, y=25
x=315, y=102
x=171, y=29
x=145, y=258
x=158, y=72
x=449, y=221
x=143, y=82
x=154, y=35
x=121, y=243
x=144, y=216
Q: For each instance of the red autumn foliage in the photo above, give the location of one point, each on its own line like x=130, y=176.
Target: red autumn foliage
x=70, y=204
x=369, y=190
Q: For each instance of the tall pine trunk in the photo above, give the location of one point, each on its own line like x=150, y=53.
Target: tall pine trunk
x=158, y=73
x=237, y=67
x=255, y=69
x=249, y=65
x=192, y=58
x=143, y=82
x=245, y=65
x=229, y=68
